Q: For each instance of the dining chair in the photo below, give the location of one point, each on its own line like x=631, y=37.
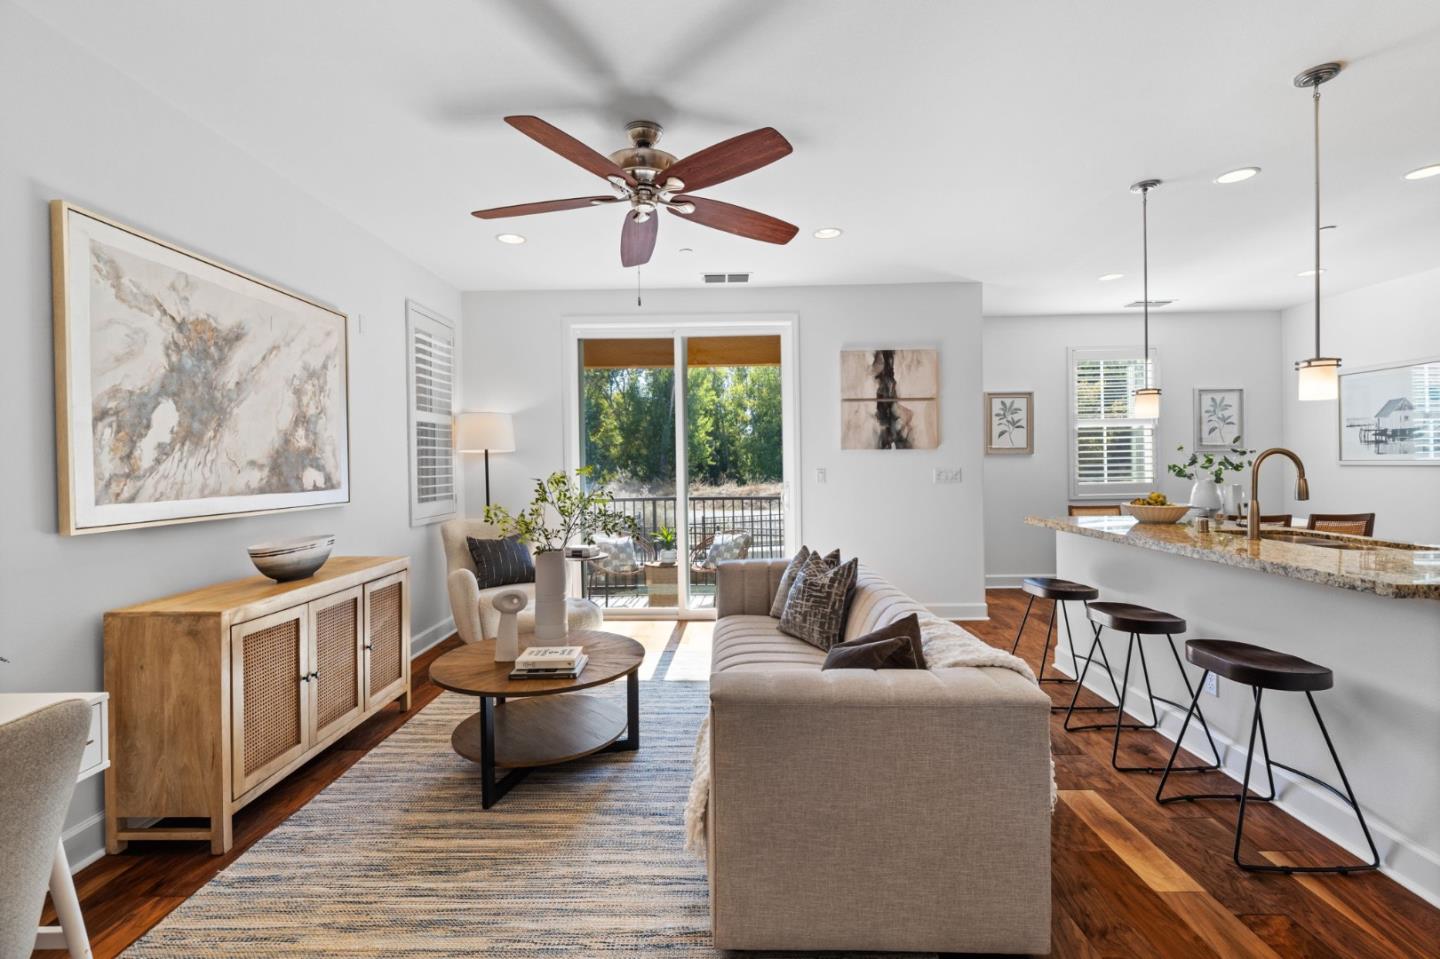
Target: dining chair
x=1356, y=524
x=1266, y=519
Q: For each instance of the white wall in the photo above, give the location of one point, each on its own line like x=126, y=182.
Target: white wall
x=73, y=128
x=1192, y=349
x=881, y=506
x=1398, y=320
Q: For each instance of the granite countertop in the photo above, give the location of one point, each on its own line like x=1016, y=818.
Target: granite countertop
x=1399, y=570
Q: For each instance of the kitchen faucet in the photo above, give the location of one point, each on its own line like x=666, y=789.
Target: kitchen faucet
x=1302, y=487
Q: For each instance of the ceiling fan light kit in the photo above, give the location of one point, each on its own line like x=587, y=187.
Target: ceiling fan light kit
x=649, y=179
x=1318, y=378
x=1147, y=398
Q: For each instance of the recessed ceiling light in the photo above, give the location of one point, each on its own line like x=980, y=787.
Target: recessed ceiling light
x=514, y=239
x=1107, y=277
x=1237, y=176
x=1424, y=172
x=1309, y=272
x=828, y=232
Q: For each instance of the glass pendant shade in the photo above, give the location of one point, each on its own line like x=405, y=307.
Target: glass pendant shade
x=1319, y=378
x=1147, y=404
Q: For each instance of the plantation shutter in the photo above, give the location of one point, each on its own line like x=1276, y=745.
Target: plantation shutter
x=1112, y=452
x=430, y=343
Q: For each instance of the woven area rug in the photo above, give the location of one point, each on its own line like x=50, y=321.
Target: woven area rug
x=397, y=857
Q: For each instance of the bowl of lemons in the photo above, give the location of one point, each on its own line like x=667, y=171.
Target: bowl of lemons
x=1154, y=508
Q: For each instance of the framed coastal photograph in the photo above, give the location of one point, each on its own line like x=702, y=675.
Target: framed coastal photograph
x=185, y=389
x=1390, y=414
x=1010, y=425
x=1219, y=417
x=889, y=399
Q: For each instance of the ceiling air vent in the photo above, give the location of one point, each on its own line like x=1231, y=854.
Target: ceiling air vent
x=1137, y=304
x=726, y=277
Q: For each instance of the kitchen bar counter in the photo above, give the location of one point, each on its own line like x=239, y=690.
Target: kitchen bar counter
x=1399, y=570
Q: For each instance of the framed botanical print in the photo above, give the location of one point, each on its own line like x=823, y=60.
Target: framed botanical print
x=1390, y=414
x=1010, y=424
x=187, y=390
x=1219, y=417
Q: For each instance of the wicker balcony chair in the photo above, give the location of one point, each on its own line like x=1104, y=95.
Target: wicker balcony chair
x=622, y=557
x=717, y=547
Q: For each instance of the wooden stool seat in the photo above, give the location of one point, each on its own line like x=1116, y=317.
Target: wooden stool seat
x=1132, y=618
x=1258, y=666
x=1047, y=587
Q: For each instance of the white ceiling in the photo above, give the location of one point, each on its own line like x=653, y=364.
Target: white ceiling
x=992, y=140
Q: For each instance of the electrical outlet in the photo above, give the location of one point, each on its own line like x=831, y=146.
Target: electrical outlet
x=819, y=474
x=947, y=475
x=1212, y=685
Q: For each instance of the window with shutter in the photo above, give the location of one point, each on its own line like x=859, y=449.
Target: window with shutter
x=1112, y=453
x=430, y=340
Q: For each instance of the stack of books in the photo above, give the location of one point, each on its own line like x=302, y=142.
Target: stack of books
x=550, y=662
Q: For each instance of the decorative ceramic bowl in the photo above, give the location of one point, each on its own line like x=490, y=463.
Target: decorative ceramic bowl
x=292, y=558
x=1155, y=514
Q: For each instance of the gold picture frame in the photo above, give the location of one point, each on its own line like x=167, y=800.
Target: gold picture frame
x=107, y=286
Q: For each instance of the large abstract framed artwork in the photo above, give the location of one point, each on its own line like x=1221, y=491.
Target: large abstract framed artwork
x=889, y=399
x=1390, y=415
x=1219, y=417
x=185, y=389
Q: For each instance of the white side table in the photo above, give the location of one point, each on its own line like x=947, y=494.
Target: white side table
x=70, y=934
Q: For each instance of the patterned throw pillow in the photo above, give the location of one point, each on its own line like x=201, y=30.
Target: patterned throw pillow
x=896, y=646
x=501, y=562
x=787, y=579
x=726, y=546
x=819, y=601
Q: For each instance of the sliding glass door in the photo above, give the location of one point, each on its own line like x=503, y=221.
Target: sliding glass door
x=692, y=432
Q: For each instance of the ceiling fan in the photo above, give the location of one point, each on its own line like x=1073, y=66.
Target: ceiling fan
x=648, y=179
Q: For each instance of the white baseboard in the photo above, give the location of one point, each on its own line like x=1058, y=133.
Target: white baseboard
x=1401, y=858
x=1009, y=580
x=423, y=640
x=972, y=611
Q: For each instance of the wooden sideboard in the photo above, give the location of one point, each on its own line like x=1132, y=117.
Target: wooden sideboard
x=219, y=693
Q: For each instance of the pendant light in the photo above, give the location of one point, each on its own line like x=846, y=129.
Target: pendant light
x=1147, y=399
x=1319, y=376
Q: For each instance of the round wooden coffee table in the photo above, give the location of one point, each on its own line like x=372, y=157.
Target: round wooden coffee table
x=525, y=723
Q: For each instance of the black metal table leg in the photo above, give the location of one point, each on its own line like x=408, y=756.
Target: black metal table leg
x=631, y=741
x=491, y=789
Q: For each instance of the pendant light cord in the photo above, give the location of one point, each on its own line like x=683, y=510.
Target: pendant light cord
x=1316, y=97
x=1145, y=274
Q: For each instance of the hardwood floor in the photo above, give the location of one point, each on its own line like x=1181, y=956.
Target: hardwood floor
x=1131, y=878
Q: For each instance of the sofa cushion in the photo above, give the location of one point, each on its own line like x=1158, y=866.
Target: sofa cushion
x=876, y=603
x=818, y=603
x=777, y=608
x=910, y=654
x=755, y=644
x=501, y=562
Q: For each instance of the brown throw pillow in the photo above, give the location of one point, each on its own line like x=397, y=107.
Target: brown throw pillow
x=819, y=601
x=787, y=579
x=909, y=654
x=893, y=653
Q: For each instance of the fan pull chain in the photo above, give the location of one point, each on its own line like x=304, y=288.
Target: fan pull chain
x=638, y=300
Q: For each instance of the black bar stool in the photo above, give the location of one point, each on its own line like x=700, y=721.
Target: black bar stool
x=1060, y=592
x=1138, y=621
x=1262, y=669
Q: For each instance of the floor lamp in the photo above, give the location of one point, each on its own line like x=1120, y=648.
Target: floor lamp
x=480, y=432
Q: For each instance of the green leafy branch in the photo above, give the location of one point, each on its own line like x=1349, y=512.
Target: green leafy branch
x=580, y=513
x=1216, y=465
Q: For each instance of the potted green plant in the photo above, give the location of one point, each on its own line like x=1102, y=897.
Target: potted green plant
x=1207, y=471
x=665, y=545
x=564, y=509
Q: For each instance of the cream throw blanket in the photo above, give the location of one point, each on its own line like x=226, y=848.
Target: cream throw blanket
x=945, y=645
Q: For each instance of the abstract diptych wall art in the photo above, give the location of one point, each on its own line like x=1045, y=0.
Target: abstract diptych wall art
x=186, y=390
x=889, y=399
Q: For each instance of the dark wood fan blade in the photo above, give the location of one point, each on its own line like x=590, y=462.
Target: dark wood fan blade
x=729, y=159
x=568, y=147
x=737, y=220
x=637, y=240
x=548, y=206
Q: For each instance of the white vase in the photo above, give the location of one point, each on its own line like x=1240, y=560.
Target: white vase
x=1233, y=498
x=550, y=596
x=1205, y=496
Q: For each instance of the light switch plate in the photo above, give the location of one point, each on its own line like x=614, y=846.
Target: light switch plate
x=1212, y=685
x=947, y=475
x=819, y=474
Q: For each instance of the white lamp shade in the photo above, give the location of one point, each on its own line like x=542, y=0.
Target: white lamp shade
x=1147, y=404
x=1319, y=378
x=478, y=432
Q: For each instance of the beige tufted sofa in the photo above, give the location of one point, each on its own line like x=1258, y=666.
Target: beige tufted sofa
x=884, y=810
x=473, y=607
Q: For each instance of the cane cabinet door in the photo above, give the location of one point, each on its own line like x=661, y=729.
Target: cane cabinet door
x=270, y=695
x=336, y=672
x=387, y=639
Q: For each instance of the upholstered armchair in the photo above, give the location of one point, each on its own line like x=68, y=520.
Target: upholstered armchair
x=474, y=608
